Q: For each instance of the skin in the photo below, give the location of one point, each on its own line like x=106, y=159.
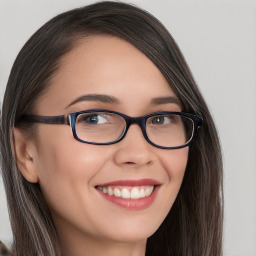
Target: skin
x=68, y=170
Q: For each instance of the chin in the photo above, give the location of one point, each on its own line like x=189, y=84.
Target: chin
x=132, y=232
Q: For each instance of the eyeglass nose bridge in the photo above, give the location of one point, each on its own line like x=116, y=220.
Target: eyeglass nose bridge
x=140, y=121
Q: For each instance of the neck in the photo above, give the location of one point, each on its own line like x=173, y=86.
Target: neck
x=77, y=242
x=89, y=247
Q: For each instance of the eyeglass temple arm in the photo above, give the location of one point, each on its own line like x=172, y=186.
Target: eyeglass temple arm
x=64, y=119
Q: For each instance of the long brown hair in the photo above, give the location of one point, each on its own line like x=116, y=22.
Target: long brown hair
x=194, y=224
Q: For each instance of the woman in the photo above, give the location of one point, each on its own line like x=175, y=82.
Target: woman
x=100, y=141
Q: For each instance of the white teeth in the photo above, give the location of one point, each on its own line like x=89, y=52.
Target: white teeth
x=128, y=192
x=149, y=190
x=117, y=192
x=142, y=193
x=110, y=191
x=135, y=193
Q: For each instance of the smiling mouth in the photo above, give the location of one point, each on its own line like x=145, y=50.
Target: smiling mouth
x=130, y=194
x=127, y=192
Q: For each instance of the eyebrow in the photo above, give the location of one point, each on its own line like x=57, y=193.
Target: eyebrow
x=96, y=97
x=165, y=100
x=113, y=100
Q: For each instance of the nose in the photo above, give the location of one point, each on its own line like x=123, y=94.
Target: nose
x=134, y=150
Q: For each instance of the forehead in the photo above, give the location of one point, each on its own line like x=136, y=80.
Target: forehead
x=104, y=65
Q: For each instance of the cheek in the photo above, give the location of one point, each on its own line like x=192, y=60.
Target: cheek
x=65, y=166
x=174, y=162
x=59, y=154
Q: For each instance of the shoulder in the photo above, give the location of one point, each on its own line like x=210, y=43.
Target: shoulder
x=3, y=250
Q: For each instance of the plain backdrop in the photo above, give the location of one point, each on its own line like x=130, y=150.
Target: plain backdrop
x=218, y=39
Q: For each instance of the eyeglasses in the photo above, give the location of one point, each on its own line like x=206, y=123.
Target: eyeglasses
x=166, y=130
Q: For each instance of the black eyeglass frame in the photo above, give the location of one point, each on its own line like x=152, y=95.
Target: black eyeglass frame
x=70, y=119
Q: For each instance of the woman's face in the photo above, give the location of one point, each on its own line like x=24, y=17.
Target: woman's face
x=70, y=172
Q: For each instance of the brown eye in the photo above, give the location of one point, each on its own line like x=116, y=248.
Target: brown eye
x=93, y=119
x=164, y=119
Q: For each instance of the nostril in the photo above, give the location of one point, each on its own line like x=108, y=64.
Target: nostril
x=130, y=163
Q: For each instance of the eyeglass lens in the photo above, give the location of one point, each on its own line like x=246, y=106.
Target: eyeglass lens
x=169, y=130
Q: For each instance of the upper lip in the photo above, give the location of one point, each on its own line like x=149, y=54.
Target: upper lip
x=141, y=182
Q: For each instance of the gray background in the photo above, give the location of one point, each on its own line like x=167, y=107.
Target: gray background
x=218, y=39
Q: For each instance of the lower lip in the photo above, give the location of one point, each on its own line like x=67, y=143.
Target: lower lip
x=132, y=204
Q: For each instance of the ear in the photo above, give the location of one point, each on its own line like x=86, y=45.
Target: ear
x=24, y=151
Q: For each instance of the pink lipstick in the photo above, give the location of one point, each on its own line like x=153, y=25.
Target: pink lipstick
x=130, y=194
